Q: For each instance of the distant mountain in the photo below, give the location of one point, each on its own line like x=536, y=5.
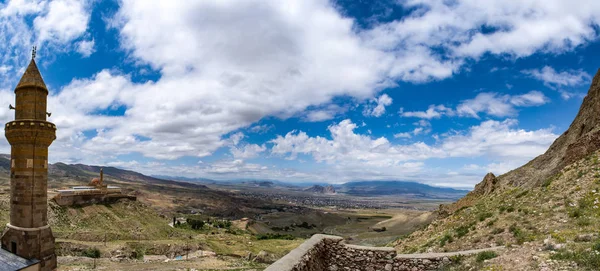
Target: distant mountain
x=84, y=172
x=321, y=189
x=260, y=183
x=388, y=188
x=185, y=179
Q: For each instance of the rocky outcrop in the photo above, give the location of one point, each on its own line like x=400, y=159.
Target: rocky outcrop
x=487, y=186
x=321, y=189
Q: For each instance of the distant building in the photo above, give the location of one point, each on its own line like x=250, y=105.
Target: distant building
x=95, y=192
x=27, y=241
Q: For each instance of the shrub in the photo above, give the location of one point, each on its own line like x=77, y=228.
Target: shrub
x=195, y=224
x=596, y=246
x=447, y=238
x=461, y=231
x=587, y=260
x=583, y=221
x=138, y=253
x=510, y=209
x=498, y=231
x=575, y=213
x=517, y=233
x=520, y=195
x=491, y=222
x=275, y=236
x=223, y=224
x=91, y=253
x=547, y=183
x=485, y=255
x=457, y=258
x=484, y=216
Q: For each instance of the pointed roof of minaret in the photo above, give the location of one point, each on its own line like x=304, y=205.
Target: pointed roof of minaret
x=32, y=77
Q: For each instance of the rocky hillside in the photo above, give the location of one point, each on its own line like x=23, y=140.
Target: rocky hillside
x=329, y=190
x=546, y=212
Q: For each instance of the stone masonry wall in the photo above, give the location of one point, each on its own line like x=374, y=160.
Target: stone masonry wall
x=327, y=252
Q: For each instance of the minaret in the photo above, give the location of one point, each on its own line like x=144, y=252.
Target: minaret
x=28, y=233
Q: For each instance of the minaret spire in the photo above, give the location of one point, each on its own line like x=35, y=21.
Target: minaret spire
x=33, y=52
x=28, y=233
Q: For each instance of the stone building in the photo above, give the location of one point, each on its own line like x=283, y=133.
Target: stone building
x=95, y=192
x=28, y=234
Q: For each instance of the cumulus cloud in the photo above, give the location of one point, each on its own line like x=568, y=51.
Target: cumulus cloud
x=376, y=157
x=247, y=151
x=490, y=103
x=86, y=47
x=498, y=105
x=561, y=81
x=554, y=79
x=377, y=106
x=224, y=65
x=491, y=138
x=324, y=113
x=403, y=135
x=433, y=112
x=64, y=21
x=55, y=24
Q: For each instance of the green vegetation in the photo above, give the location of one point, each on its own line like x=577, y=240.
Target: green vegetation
x=485, y=255
x=195, y=224
x=92, y=252
x=275, y=236
x=596, y=246
x=589, y=260
x=491, y=222
x=517, y=233
x=462, y=231
x=447, y=238
x=522, y=194
x=484, y=216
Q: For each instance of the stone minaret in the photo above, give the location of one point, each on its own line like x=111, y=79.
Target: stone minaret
x=28, y=233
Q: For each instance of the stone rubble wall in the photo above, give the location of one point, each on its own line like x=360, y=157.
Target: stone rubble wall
x=330, y=253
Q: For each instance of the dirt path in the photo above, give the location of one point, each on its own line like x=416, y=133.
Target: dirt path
x=446, y=254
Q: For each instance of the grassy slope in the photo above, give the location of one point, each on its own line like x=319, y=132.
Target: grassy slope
x=566, y=206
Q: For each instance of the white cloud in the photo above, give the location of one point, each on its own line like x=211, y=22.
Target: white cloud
x=560, y=80
x=261, y=129
x=4, y=69
x=377, y=106
x=498, y=105
x=64, y=21
x=55, y=25
x=490, y=138
x=403, y=135
x=377, y=158
x=247, y=151
x=224, y=65
x=86, y=47
x=490, y=103
x=326, y=113
x=433, y=112
x=455, y=29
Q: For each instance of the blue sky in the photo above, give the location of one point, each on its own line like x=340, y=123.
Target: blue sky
x=439, y=92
